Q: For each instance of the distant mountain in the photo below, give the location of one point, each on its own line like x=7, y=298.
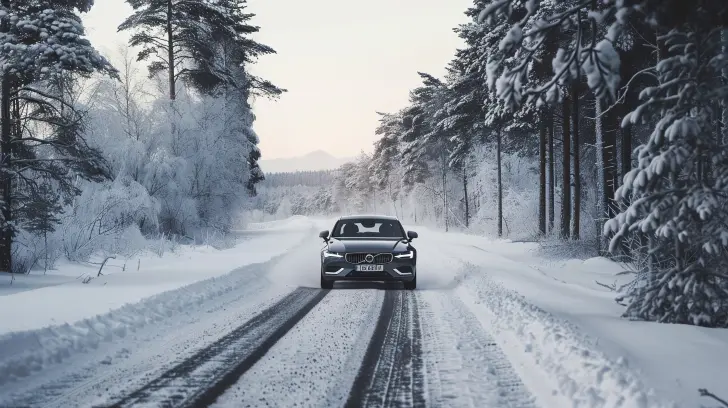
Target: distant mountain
x=318, y=160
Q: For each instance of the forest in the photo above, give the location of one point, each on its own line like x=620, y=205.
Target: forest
x=100, y=158
x=622, y=107
x=597, y=127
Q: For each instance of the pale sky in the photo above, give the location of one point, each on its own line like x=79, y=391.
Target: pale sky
x=341, y=61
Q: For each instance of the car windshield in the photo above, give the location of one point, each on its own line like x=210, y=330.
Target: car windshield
x=368, y=228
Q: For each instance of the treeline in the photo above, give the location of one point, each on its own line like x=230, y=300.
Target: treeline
x=94, y=159
x=622, y=108
x=465, y=199
x=281, y=195
x=299, y=178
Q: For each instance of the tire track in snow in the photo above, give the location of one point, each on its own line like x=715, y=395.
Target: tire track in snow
x=315, y=364
x=391, y=372
x=200, y=379
x=464, y=367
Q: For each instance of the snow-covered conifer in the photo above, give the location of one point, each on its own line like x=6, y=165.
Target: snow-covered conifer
x=678, y=189
x=43, y=42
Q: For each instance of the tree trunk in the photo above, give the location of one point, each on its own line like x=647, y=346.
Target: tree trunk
x=45, y=250
x=6, y=234
x=626, y=151
x=577, y=169
x=401, y=201
x=542, y=173
x=170, y=53
x=601, y=164
x=465, y=193
x=610, y=126
x=566, y=169
x=724, y=113
x=444, y=192
x=552, y=176
x=500, y=186
x=631, y=102
x=172, y=79
x=391, y=196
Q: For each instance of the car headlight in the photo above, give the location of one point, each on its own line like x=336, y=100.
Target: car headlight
x=328, y=254
x=406, y=255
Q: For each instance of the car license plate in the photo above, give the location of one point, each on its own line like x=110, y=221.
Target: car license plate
x=370, y=268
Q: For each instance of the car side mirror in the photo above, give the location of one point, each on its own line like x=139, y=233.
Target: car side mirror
x=324, y=235
x=412, y=235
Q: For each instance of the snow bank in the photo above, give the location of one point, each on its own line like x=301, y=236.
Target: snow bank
x=560, y=365
x=674, y=360
x=22, y=353
x=22, y=283
x=59, y=320
x=122, y=283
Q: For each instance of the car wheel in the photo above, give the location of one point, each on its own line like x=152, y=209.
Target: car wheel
x=411, y=285
x=326, y=284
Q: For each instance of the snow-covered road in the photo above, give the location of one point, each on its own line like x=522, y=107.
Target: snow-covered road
x=266, y=335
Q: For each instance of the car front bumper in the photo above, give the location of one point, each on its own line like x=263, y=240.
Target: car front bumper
x=337, y=269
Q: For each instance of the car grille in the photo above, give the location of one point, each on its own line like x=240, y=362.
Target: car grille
x=358, y=258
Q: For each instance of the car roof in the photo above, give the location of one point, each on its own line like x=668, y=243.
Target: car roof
x=369, y=217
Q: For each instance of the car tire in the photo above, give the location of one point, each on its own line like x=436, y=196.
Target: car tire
x=411, y=285
x=326, y=284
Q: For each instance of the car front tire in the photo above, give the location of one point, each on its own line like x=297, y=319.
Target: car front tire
x=326, y=284
x=411, y=285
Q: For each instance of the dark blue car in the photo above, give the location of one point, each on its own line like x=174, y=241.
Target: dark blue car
x=368, y=248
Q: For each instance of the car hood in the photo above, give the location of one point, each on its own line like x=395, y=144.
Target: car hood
x=367, y=245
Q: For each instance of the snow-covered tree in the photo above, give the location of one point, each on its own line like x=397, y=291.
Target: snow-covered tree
x=678, y=189
x=185, y=37
x=41, y=137
x=588, y=63
x=580, y=53
x=386, y=149
x=205, y=49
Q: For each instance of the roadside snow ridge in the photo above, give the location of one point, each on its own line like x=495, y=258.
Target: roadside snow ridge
x=23, y=353
x=560, y=365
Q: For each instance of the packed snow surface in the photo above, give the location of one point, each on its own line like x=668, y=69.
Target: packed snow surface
x=317, y=360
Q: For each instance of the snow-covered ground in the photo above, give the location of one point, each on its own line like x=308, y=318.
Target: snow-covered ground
x=570, y=325
x=60, y=296
x=491, y=324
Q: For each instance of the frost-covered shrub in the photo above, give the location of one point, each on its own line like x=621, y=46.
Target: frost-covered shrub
x=28, y=252
x=106, y=216
x=197, y=171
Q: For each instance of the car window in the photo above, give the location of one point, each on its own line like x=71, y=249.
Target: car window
x=368, y=229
